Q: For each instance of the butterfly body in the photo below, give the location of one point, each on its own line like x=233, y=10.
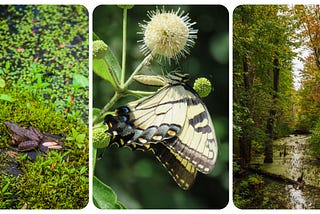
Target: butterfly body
x=173, y=123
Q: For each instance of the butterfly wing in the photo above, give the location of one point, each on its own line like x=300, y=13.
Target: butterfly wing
x=197, y=141
x=175, y=124
x=182, y=171
x=153, y=119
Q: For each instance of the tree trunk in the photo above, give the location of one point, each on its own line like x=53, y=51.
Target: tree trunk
x=268, y=150
x=245, y=149
x=245, y=141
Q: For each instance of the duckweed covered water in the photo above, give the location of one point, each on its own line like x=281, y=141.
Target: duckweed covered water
x=292, y=160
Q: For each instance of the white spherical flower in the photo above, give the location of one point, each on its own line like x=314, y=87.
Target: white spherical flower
x=168, y=34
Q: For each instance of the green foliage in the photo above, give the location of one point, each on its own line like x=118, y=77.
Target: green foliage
x=257, y=147
x=248, y=191
x=235, y=168
x=8, y=189
x=308, y=103
x=261, y=35
x=104, y=197
x=105, y=64
x=315, y=140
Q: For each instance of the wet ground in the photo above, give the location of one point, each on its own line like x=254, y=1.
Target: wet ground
x=292, y=160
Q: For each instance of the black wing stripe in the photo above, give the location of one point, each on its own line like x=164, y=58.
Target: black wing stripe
x=182, y=172
x=199, y=160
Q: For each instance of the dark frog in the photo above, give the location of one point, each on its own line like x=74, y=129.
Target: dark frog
x=29, y=138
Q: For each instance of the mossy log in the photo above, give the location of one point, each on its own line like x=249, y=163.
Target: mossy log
x=282, y=178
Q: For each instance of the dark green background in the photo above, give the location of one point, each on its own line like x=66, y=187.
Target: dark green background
x=138, y=179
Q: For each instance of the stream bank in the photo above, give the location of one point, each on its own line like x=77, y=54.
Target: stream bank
x=290, y=182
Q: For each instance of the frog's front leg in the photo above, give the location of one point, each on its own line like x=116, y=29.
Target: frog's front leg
x=28, y=145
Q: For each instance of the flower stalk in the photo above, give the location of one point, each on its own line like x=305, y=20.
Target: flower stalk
x=124, y=46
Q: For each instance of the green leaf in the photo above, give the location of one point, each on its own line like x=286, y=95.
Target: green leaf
x=6, y=98
x=103, y=196
x=5, y=187
x=80, y=81
x=7, y=65
x=119, y=205
x=83, y=170
x=105, y=64
x=2, y=83
x=80, y=138
x=95, y=112
x=95, y=36
x=94, y=157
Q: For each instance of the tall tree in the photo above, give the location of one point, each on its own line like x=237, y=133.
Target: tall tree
x=308, y=18
x=309, y=96
x=308, y=22
x=262, y=75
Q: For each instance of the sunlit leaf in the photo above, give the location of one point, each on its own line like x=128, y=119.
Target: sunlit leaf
x=103, y=196
x=80, y=81
x=107, y=66
x=7, y=98
x=2, y=83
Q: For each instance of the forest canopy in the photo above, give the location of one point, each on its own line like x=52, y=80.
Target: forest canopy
x=267, y=105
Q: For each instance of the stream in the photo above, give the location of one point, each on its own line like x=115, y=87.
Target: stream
x=292, y=160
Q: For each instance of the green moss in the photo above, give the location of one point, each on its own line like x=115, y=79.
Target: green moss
x=58, y=179
x=60, y=182
x=8, y=190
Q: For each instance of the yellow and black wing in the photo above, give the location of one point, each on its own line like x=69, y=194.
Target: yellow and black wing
x=197, y=141
x=181, y=170
x=175, y=124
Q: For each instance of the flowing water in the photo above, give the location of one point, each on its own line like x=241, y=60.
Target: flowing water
x=292, y=160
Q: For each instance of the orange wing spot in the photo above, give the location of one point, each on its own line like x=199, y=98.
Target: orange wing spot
x=136, y=124
x=131, y=116
x=172, y=133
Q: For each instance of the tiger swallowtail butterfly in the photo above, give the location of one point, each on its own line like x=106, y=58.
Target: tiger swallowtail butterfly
x=173, y=123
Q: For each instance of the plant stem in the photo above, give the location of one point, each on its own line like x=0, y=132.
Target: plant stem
x=116, y=84
x=106, y=108
x=124, y=44
x=139, y=67
x=121, y=91
x=94, y=157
